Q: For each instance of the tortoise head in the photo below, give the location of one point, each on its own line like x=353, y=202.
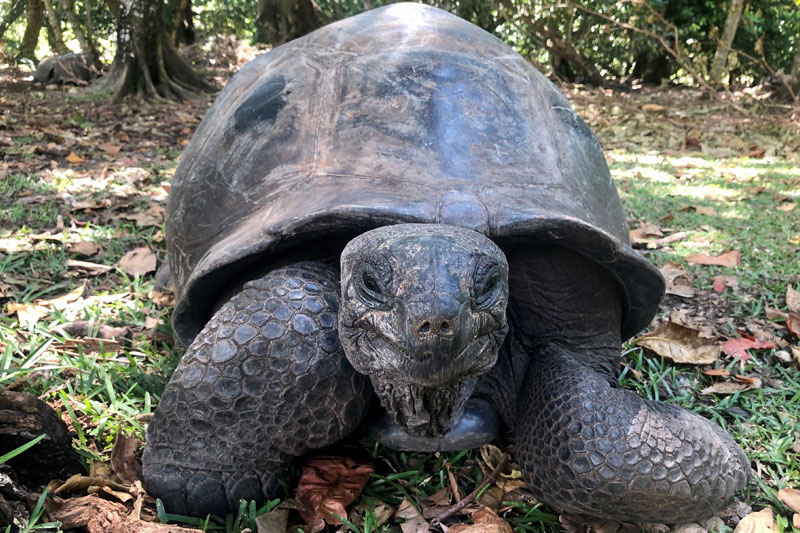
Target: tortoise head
x=423, y=314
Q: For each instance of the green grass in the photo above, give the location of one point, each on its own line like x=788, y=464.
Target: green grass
x=14, y=214
x=745, y=195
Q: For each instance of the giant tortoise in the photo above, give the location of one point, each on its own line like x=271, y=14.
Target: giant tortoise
x=396, y=221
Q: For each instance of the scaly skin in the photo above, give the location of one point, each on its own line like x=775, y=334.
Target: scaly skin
x=264, y=381
x=588, y=448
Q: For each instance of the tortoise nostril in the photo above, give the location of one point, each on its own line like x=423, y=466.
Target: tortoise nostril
x=445, y=328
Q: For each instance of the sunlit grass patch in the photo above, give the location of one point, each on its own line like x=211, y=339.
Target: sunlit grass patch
x=745, y=196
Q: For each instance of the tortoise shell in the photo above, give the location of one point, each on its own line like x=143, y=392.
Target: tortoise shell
x=401, y=114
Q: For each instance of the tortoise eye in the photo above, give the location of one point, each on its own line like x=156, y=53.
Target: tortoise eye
x=486, y=283
x=371, y=289
x=486, y=295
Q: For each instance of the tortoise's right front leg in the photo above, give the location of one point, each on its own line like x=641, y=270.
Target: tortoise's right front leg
x=265, y=380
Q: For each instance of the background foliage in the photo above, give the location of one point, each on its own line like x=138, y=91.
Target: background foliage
x=600, y=42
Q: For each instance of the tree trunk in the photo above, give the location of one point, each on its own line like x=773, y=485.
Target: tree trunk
x=145, y=62
x=567, y=59
x=11, y=17
x=87, y=47
x=794, y=78
x=182, y=25
x=113, y=6
x=279, y=21
x=55, y=26
x=724, y=44
x=31, y=37
x=87, y=21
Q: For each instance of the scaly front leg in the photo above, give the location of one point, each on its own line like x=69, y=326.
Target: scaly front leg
x=585, y=447
x=264, y=381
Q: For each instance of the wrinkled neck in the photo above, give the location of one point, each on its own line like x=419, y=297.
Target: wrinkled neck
x=561, y=298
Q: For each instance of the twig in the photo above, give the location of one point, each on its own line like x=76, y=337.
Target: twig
x=471, y=496
x=669, y=239
x=674, y=52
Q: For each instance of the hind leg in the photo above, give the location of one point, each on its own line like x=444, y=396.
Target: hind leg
x=265, y=380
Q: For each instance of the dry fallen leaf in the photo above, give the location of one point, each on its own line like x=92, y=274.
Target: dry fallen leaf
x=738, y=347
x=414, y=523
x=436, y=503
x=27, y=314
x=729, y=387
x=138, y=261
x=117, y=494
x=64, y=300
x=678, y=281
x=123, y=459
x=327, y=485
x=727, y=259
x=793, y=323
x=154, y=216
x=652, y=108
x=381, y=512
x=75, y=159
x=110, y=149
x=79, y=482
x=761, y=522
x=721, y=281
x=85, y=248
x=788, y=206
x=792, y=299
x=274, y=521
x=645, y=233
x=790, y=498
x=699, y=209
x=717, y=372
x=774, y=314
x=484, y=520
x=680, y=344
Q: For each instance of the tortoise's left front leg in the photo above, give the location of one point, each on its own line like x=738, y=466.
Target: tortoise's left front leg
x=586, y=447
